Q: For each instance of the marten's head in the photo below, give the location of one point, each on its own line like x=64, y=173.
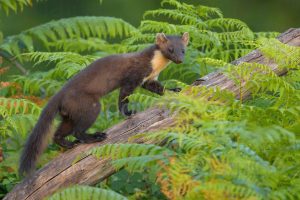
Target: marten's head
x=172, y=47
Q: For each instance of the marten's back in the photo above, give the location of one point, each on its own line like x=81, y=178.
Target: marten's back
x=106, y=74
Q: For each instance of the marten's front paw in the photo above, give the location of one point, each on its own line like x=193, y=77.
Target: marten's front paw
x=124, y=110
x=129, y=113
x=100, y=136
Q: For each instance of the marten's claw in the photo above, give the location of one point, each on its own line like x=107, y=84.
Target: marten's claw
x=132, y=112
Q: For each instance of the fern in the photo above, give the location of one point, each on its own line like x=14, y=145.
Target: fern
x=183, y=18
x=19, y=106
x=85, y=45
x=219, y=148
x=14, y=5
x=284, y=55
x=132, y=156
x=6, y=123
x=67, y=65
x=139, y=101
x=58, y=57
x=37, y=85
x=86, y=192
x=17, y=116
x=266, y=34
x=76, y=27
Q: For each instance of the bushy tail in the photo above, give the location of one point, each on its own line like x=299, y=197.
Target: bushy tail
x=37, y=141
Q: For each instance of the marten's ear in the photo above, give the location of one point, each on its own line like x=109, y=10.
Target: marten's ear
x=185, y=38
x=161, y=38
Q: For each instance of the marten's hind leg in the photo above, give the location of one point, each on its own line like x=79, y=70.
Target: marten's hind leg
x=87, y=117
x=64, y=129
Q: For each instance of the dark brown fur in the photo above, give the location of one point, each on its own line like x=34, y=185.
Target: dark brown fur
x=78, y=101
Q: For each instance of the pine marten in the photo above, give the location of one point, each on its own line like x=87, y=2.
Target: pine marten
x=78, y=101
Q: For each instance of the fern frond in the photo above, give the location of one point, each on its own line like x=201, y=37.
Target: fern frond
x=20, y=125
x=213, y=62
x=19, y=106
x=15, y=124
x=182, y=17
x=86, y=192
x=154, y=26
x=190, y=105
x=188, y=143
x=173, y=83
x=226, y=24
x=229, y=55
x=38, y=84
x=63, y=72
x=243, y=34
x=266, y=34
x=118, y=151
x=84, y=45
x=14, y=5
x=76, y=27
x=254, y=73
x=283, y=54
x=208, y=12
x=143, y=38
x=183, y=73
x=139, y=101
x=132, y=156
x=178, y=5
x=58, y=57
x=6, y=123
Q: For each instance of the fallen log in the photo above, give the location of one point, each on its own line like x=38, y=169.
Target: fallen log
x=63, y=172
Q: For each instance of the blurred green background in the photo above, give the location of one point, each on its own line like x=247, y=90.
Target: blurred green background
x=260, y=15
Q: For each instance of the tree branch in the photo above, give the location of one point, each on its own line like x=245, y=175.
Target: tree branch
x=14, y=62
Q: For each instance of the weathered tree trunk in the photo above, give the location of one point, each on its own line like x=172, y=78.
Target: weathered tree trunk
x=63, y=172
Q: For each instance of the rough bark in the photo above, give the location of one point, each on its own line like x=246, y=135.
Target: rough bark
x=62, y=171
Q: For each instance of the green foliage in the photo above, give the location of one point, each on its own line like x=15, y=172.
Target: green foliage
x=284, y=55
x=132, y=156
x=17, y=116
x=204, y=24
x=64, y=29
x=134, y=185
x=14, y=5
x=221, y=147
x=85, y=192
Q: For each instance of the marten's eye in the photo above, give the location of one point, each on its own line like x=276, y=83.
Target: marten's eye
x=171, y=50
x=183, y=51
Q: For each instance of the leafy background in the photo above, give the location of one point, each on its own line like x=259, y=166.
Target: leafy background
x=208, y=154
x=267, y=15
